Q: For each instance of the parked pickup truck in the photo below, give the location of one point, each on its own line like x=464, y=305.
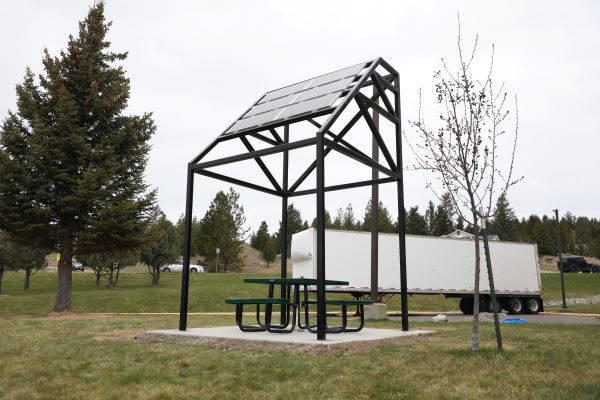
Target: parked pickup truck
x=577, y=264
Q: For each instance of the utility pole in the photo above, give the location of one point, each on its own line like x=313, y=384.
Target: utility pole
x=560, y=261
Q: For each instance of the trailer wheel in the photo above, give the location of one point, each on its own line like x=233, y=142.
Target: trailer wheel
x=532, y=305
x=490, y=308
x=466, y=305
x=515, y=305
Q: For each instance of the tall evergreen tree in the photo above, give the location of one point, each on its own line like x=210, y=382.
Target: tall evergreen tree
x=269, y=252
x=430, y=217
x=328, y=223
x=444, y=216
x=349, y=222
x=294, y=224
x=71, y=163
x=386, y=225
x=505, y=223
x=223, y=227
x=260, y=239
x=415, y=222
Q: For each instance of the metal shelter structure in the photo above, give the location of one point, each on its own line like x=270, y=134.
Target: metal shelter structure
x=327, y=95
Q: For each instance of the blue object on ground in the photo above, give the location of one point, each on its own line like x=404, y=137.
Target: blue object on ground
x=514, y=321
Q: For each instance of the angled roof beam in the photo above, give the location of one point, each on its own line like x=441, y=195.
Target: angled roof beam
x=262, y=165
x=352, y=185
x=369, y=103
x=377, y=81
x=336, y=138
x=253, y=154
x=234, y=181
x=264, y=139
x=388, y=67
x=339, y=136
x=386, y=80
x=376, y=134
x=364, y=160
x=313, y=165
x=275, y=135
x=342, y=106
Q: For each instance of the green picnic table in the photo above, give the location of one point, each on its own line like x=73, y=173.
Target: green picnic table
x=291, y=302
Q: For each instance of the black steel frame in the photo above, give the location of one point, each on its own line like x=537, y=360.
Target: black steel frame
x=324, y=142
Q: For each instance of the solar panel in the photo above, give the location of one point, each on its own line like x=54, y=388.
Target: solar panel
x=312, y=95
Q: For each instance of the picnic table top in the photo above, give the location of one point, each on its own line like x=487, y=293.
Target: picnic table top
x=294, y=281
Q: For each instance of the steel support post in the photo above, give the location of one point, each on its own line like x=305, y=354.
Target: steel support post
x=375, y=213
x=187, y=240
x=401, y=216
x=284, y=220
x=321, y=311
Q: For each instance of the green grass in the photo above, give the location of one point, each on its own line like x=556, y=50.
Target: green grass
x=135, y=293
x=85, y=356
x=96, y=357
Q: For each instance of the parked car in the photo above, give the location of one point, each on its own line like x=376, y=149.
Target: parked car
x=77, y=266
x=178, y=267
x=577, y=264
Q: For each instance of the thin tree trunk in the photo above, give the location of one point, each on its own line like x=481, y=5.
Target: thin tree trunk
x=27, y=275
x=1, y=276
x=97, y=272
x=475, y=331
x=155, y=275
x=117, y=277
x=110, y=283
x=65, y=279
x=488, y=261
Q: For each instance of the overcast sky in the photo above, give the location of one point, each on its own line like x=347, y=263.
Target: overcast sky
x=198, y=65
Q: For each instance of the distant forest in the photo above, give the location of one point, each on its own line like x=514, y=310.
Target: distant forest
x=579, y=235
x=224, y=227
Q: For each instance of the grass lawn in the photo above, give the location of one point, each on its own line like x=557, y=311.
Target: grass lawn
x=86, y=356
x=134, y=293
x=95, y=357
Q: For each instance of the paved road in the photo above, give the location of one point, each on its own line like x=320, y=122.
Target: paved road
x=534, y=319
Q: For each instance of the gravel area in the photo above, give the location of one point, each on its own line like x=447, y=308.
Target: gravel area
x=577, y=300
x=534, y=319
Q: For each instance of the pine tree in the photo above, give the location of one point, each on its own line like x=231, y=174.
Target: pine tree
x=337, y=221
x=415, y=222
x=328, y=223
x=259, y=239
x=444, y=216
x=294, y=224
x=386, y=225
x=430, y=217
x=71, y=163
x=348, y=220
x=223, y=227
x=269, y=252
x=505, y=222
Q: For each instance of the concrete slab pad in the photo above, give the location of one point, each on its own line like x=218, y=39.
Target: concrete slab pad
x=303, y=337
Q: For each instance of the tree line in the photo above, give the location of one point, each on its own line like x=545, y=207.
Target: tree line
x=579, y=235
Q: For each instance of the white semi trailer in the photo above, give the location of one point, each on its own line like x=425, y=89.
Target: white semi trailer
x=435, y=265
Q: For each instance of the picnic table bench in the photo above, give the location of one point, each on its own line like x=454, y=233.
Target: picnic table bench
x=293, y=303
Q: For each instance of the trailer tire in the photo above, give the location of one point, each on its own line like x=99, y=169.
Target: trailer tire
x=532, y=305
x=466, y=305
x=515, y=305
x=489, y=308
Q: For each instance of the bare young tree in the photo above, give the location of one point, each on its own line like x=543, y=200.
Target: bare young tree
x=463, y=150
